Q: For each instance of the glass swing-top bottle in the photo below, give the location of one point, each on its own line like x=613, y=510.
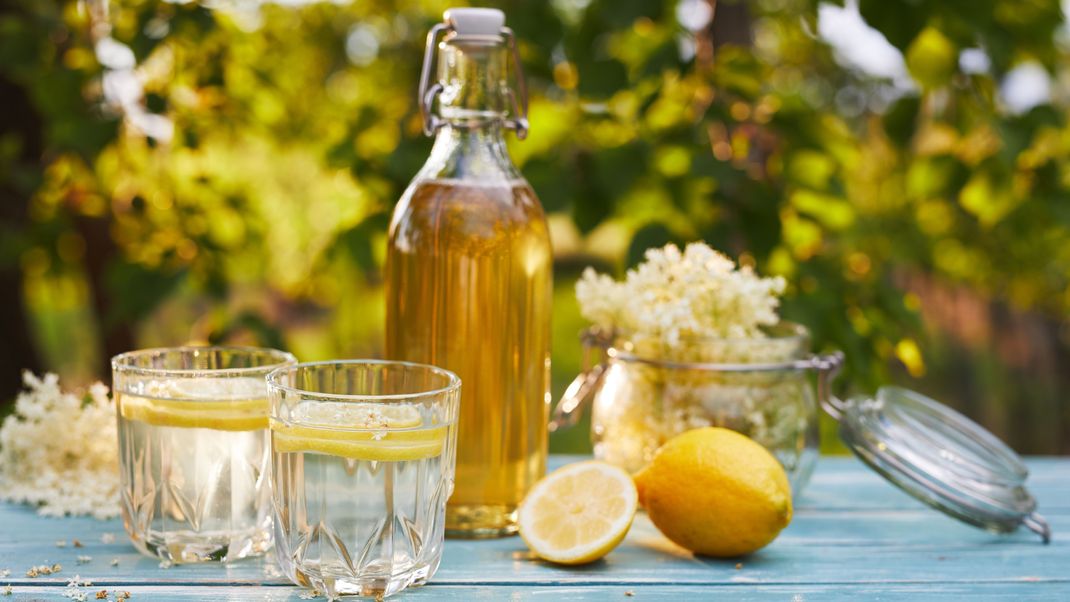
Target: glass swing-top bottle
x=469, y=280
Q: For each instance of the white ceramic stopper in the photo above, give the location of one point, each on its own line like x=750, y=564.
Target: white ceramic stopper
x=475, y=21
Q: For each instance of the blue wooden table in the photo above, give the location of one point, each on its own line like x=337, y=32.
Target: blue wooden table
x=853, y=536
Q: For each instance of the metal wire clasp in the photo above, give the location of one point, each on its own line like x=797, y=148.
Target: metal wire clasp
x=518, y=121
x=570, y=407
x=428, y=93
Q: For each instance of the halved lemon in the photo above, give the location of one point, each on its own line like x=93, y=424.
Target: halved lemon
x=361, y=431
x=237, y=404
x=578, y=513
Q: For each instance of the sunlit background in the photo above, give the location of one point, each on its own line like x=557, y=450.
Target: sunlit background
x=224, y=171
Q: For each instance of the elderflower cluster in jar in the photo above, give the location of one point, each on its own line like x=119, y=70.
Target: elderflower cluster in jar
x=674, y=313
x=675, y=298
x=58, y=450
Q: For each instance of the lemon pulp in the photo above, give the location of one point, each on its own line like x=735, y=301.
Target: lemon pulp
x=231, y=404
x=578, y=513
x=360, y=431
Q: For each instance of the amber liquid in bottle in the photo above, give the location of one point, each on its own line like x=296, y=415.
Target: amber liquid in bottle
x=469, y=277
x=469, y=289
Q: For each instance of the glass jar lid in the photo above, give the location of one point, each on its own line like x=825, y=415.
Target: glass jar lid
x=942, y=458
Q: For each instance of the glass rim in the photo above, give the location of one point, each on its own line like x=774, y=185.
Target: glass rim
x=493, y=40
x=453, y=382
x=784, y=330
x=124, y=363
x=793, y=333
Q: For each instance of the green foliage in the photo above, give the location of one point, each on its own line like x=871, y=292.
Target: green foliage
x=143, y=290
x=932, y=58
x=263, y=218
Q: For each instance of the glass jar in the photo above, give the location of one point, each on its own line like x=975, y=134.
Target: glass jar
x=644, y=393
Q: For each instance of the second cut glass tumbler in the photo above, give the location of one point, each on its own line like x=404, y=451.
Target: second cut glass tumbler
x=363, y=456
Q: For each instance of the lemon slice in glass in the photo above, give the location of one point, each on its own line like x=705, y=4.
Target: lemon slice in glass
x=361, y=431
x=578, y=513
x=231, y=404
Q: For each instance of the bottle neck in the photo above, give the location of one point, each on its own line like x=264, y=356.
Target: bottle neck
x=470, y=144
x=473, y=80
x=470, y=150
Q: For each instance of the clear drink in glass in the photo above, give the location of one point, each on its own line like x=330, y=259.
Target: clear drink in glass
x=193, y=450
x=363, y=457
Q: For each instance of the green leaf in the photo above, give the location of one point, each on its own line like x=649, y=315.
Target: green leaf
x=648, y=237
x=553, y=180
x=901, y=119
x=835, y=213
x=899, y=21
x=135, y=290
x=357, y=241
x=989, y=201
x=932, y=59
x=267, y=334
x=601, y=78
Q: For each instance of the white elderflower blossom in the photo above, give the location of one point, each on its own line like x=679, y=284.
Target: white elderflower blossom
x=676, y=297
x=58, y=450
x=74, y=589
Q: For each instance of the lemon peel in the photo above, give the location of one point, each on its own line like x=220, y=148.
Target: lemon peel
x=360, y=431
x=578, y=513
x=716, y=492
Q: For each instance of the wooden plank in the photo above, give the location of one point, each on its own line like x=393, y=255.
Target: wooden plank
x=868, y=542
x=1040, y=592
x=904, y=528
x=840, y=484
x=878, y=528
x=843, y=483
x=809, y=552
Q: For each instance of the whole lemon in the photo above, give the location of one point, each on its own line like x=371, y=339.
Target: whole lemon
x=716, y=492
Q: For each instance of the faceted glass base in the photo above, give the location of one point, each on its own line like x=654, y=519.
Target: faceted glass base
x=337, y=580
x=194, y=494
x=180, y=547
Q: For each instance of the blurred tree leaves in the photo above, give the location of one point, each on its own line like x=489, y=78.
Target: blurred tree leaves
x=358, y=242
x=268, y=205
x=648, y=237
x=264, y=333
x=932, y=58
x=143, y=290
